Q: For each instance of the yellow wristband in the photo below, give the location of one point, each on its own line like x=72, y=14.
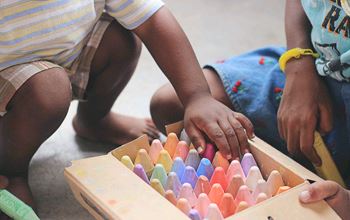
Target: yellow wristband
x=295, y=53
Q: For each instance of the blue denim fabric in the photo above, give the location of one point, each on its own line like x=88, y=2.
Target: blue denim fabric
x=259, y=95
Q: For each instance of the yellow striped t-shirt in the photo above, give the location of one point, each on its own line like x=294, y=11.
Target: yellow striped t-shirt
x=56, y=30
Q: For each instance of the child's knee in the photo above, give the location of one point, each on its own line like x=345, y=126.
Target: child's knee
x=165, y=101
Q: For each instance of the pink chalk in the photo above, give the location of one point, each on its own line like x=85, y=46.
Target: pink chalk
x=181, y=150
x=234, y=169
x=154, y=150
x=244, y=194
x=209, y=152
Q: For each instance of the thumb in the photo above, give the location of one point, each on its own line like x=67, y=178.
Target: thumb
x=319, y=191
x=3, y=182
x=196, y=137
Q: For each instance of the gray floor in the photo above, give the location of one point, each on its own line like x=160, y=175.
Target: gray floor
x=217, y=29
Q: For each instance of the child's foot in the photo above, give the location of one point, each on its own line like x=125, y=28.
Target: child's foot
x=115, y=128
x=19, y=187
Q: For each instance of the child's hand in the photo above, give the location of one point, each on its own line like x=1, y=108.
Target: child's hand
x=304, y=105
x=336, y=196
x=226, y=128
x=3, y=182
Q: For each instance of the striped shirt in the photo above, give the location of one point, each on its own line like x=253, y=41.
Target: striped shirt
x=57, y=30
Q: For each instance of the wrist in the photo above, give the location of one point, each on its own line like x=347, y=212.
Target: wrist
x=195, y=97
x=305, y=66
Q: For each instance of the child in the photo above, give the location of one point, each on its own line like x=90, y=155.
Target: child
x=253, y=84
x=53, y=50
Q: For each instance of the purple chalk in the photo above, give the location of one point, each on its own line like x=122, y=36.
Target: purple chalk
x=194, y=215
x=189, y=176
x=173, y=183
x=247, y=162
x=193, y=159
x=138, y=170
x=178, y=167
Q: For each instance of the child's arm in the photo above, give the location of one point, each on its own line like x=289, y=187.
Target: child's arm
x=336, y=196
x=305, y=102
x=173, y=53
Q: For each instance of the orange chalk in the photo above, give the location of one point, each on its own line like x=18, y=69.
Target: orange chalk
x=282, y=189
x=155, y=184
x=244, y=194
x=274, y=182
x=183, y=205
x=171, y=143
x=234, y=185
x=143, y=158
x=165, y=159
x=241, y=206
x=202, y=186
x=252, y=178
x=186, y=192
x=181, y=150
x=235, y=168
x=214, y=212
x=227, y=205
x=216, y=193
x=170, y=196
x=127, y=162
x=260, y=198
x=219, y=177
x=220, y=161
x=202, y=204
x=155, y=149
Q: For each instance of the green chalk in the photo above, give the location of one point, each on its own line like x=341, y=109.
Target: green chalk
x=15, y=208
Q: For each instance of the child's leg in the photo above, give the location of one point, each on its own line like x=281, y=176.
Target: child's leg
x=112, y=67
x=166, y=107
x=34, y=113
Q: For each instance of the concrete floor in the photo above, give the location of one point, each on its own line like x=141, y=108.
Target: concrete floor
x=217, y=29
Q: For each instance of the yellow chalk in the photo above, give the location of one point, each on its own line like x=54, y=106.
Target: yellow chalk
x=328, y=170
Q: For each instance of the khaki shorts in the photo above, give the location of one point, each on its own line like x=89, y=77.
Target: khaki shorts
x=12, y=78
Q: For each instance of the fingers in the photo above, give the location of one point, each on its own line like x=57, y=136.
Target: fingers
x=216, y=134
x=231, y=135
x=318, y=191
x=306, y=145
x=196, y=137
x=248, y=126
x=241, y=133
x=293, y=140
x=3, y=182
x=325, y=120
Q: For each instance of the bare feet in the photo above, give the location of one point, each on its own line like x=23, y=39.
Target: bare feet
x=19, y=187
x=115, y=128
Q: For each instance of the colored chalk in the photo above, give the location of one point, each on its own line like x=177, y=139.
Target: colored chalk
x=214, y=213
x=192, y=159
x=202, y=186
x=173, y=183
x=261, y=187
x=274, y=182
x=139, y=171
x=181, y=150
x=15, y=208
x=244, y=194
x=186, y=192
x=209, y=152
x=242, y=206
x=194, y=215
x=160, y=174
x=127, y=162
x=234, y=169
x=216, y=193
x=143, y=158
x=170, y=196
x=234, y=185
x=252, y=178
x=155, y=149
x=183, y=205
x=247, y=162
x=260, y=198
x=165, y=159
x=205, y=168
x=219, y=177
x=227, y=205
x=220, y=161
x=184, y=137
x=178, y=167
x=155, y=184
x=202, y=204
x=282, y=189
x=189, y=176
x=171, y=143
